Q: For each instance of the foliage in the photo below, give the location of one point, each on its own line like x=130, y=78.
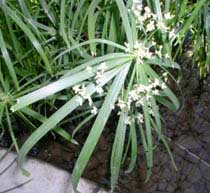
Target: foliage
x=77, y=58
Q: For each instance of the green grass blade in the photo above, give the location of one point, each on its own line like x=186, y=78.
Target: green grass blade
x=133, y=147
x=112, y=34
x=124, y=15
x=111, y=59
x=76, y=14
x=30, y=35
x=158, y=11
x=51, y=89
x=192, y=16
x=11, y=129
x=24, y=8
x=92, y=19
x=8, y=61
x=163, y=62
x=117, y=150
x=62, y=22
x=1, y=112
x=47, y=11
x=102, y=41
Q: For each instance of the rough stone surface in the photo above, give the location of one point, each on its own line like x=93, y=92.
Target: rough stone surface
x=44, y=178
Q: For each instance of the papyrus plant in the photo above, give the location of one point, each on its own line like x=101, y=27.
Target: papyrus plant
x=107, y=55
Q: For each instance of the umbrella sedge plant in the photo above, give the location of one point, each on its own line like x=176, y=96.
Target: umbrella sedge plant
x=97, y=57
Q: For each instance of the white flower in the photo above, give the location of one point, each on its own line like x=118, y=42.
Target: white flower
x=163, y=86
x=141, y=51
x=161, y=26
x=167, y=55
x=150, y=26
x=128, y=47
x=151, y=112
x=147, y=13
x=140, y=19
x=89, y=100
x=147, y=9
x=149, y=88
x=102, y=67
x=153, y=43
x=82, y=91
x=159, y=52
x=98, y=77
x=100, y=73
x=172, y=34
x=140, y=88
x=168, y=16
x=127, y=120
x=156, y=83
x=121, y=104
x=154, y=16
x=76, y=88
x=155, y=92
x=133, y=95
x=139, y=102
x=79, y=100
x=140, y=118
x=99, y=90
x=165, y=74
x=94, y=110
x=139, y=7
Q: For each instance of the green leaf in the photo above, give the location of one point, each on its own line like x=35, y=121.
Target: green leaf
x=133, y=147
x=51, y=89
x=117, y=150
x=163, y=62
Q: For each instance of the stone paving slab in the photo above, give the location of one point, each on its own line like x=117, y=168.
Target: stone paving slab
x=44, y=177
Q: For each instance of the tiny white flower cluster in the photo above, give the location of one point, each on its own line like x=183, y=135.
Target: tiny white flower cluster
x=81, y=90
x=137, y=9
x=140, y=118
x=168, y=16
x=138, y=95
x=162, y=26
x=140, y=51
x=100, y=72
x=145, y=17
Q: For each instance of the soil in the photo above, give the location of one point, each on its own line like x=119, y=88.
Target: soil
x=189, y=134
